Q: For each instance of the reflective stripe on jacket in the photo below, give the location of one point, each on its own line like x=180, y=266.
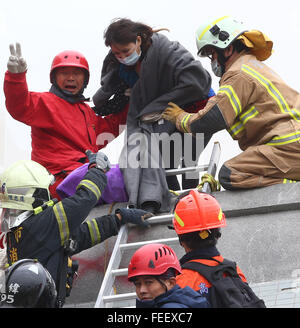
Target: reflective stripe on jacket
x=43, y=235
x=257, y=105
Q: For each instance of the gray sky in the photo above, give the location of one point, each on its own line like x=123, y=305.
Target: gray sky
x=45, y=28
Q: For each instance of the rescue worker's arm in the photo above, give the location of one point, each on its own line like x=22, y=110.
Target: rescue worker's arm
x=72, y=211
x=54, y=226
x=95, y=231
x=208, y=120
x=220, y=111
x=112, y=123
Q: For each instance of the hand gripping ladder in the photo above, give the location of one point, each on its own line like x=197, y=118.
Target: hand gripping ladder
x=106, y=297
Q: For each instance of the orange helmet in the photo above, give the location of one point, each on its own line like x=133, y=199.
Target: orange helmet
x=154, y=260
x=70, y=58
x=197, y=211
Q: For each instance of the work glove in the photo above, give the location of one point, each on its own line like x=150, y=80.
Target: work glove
x=16, y=63
x=172, y=112
x=133, y=215
x=99, y=160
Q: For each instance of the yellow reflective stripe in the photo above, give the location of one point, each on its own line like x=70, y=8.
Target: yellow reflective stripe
x=252, y=112
x=233, y=98
x=236, y=128
x=210, y=26
x=220, y=216
x=94, y=231
x=284, y=140
x=273, y=92
x=62, y=221
x=91, y=186
x=178, y=219
x=184, y=122
x=289, y=181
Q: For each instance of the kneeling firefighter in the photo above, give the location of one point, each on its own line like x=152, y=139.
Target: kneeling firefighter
x=41, y=228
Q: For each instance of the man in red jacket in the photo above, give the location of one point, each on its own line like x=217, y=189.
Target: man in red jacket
x=63, y=126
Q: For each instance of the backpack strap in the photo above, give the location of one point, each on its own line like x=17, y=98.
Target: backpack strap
x=212, y=273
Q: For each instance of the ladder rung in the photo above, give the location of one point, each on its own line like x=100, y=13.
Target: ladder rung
x=106, y=297
x=119, y=272
x=119, y=297
x=187, y=170
x=182, y=191
x=161, y=218
x=170, y=241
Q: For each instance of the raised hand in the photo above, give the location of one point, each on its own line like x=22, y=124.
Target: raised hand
x=16, y=63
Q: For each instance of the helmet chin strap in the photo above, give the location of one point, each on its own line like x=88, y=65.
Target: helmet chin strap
x=222, y=59
x=163, y=284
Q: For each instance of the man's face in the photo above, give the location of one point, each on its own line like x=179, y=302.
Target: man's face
x=148, y=287
x=70, y=79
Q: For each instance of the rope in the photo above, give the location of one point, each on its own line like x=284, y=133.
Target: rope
x=174, y=192
x=214, y=184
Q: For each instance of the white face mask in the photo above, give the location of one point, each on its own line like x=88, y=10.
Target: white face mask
x=216, y=68
x=131, y=59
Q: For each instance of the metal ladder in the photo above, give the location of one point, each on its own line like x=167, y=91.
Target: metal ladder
x=106, y=297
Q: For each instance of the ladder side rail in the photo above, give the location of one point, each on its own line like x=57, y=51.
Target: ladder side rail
x=114, y=262
x=121, y=243
x=213, y=164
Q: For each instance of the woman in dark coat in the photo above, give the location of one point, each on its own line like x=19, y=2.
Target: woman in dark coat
x=146, y=69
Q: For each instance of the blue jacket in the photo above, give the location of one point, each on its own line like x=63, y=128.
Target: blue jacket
x=176, y=298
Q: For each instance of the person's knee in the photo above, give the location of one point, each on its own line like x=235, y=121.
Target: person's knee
x=224, y=178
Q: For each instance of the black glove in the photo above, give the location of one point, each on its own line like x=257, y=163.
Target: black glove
x=99, y=159
x=134, y=216
x=116, y=103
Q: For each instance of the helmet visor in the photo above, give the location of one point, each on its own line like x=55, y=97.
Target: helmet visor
x=205, y=52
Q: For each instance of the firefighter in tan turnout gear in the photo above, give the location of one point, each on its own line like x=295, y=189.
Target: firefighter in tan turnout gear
x=253, y=103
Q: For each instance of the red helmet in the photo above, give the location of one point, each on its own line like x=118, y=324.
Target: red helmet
x=154, y=260
x=70, y=58
x=197, y=211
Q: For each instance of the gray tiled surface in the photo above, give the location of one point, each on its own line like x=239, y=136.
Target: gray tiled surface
x=276, y=294
x=280, y=293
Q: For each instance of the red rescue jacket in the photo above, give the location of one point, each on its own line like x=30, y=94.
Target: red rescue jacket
x=61, y=132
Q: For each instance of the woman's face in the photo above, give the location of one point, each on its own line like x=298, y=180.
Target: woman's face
x=122, y=51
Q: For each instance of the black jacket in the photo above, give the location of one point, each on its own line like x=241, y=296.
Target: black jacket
x=42, y=236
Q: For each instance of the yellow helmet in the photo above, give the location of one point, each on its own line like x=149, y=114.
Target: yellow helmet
x=24, y=185
x=219, y=33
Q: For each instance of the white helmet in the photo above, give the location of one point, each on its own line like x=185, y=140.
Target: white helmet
x=24, y=185
x=219, y=33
